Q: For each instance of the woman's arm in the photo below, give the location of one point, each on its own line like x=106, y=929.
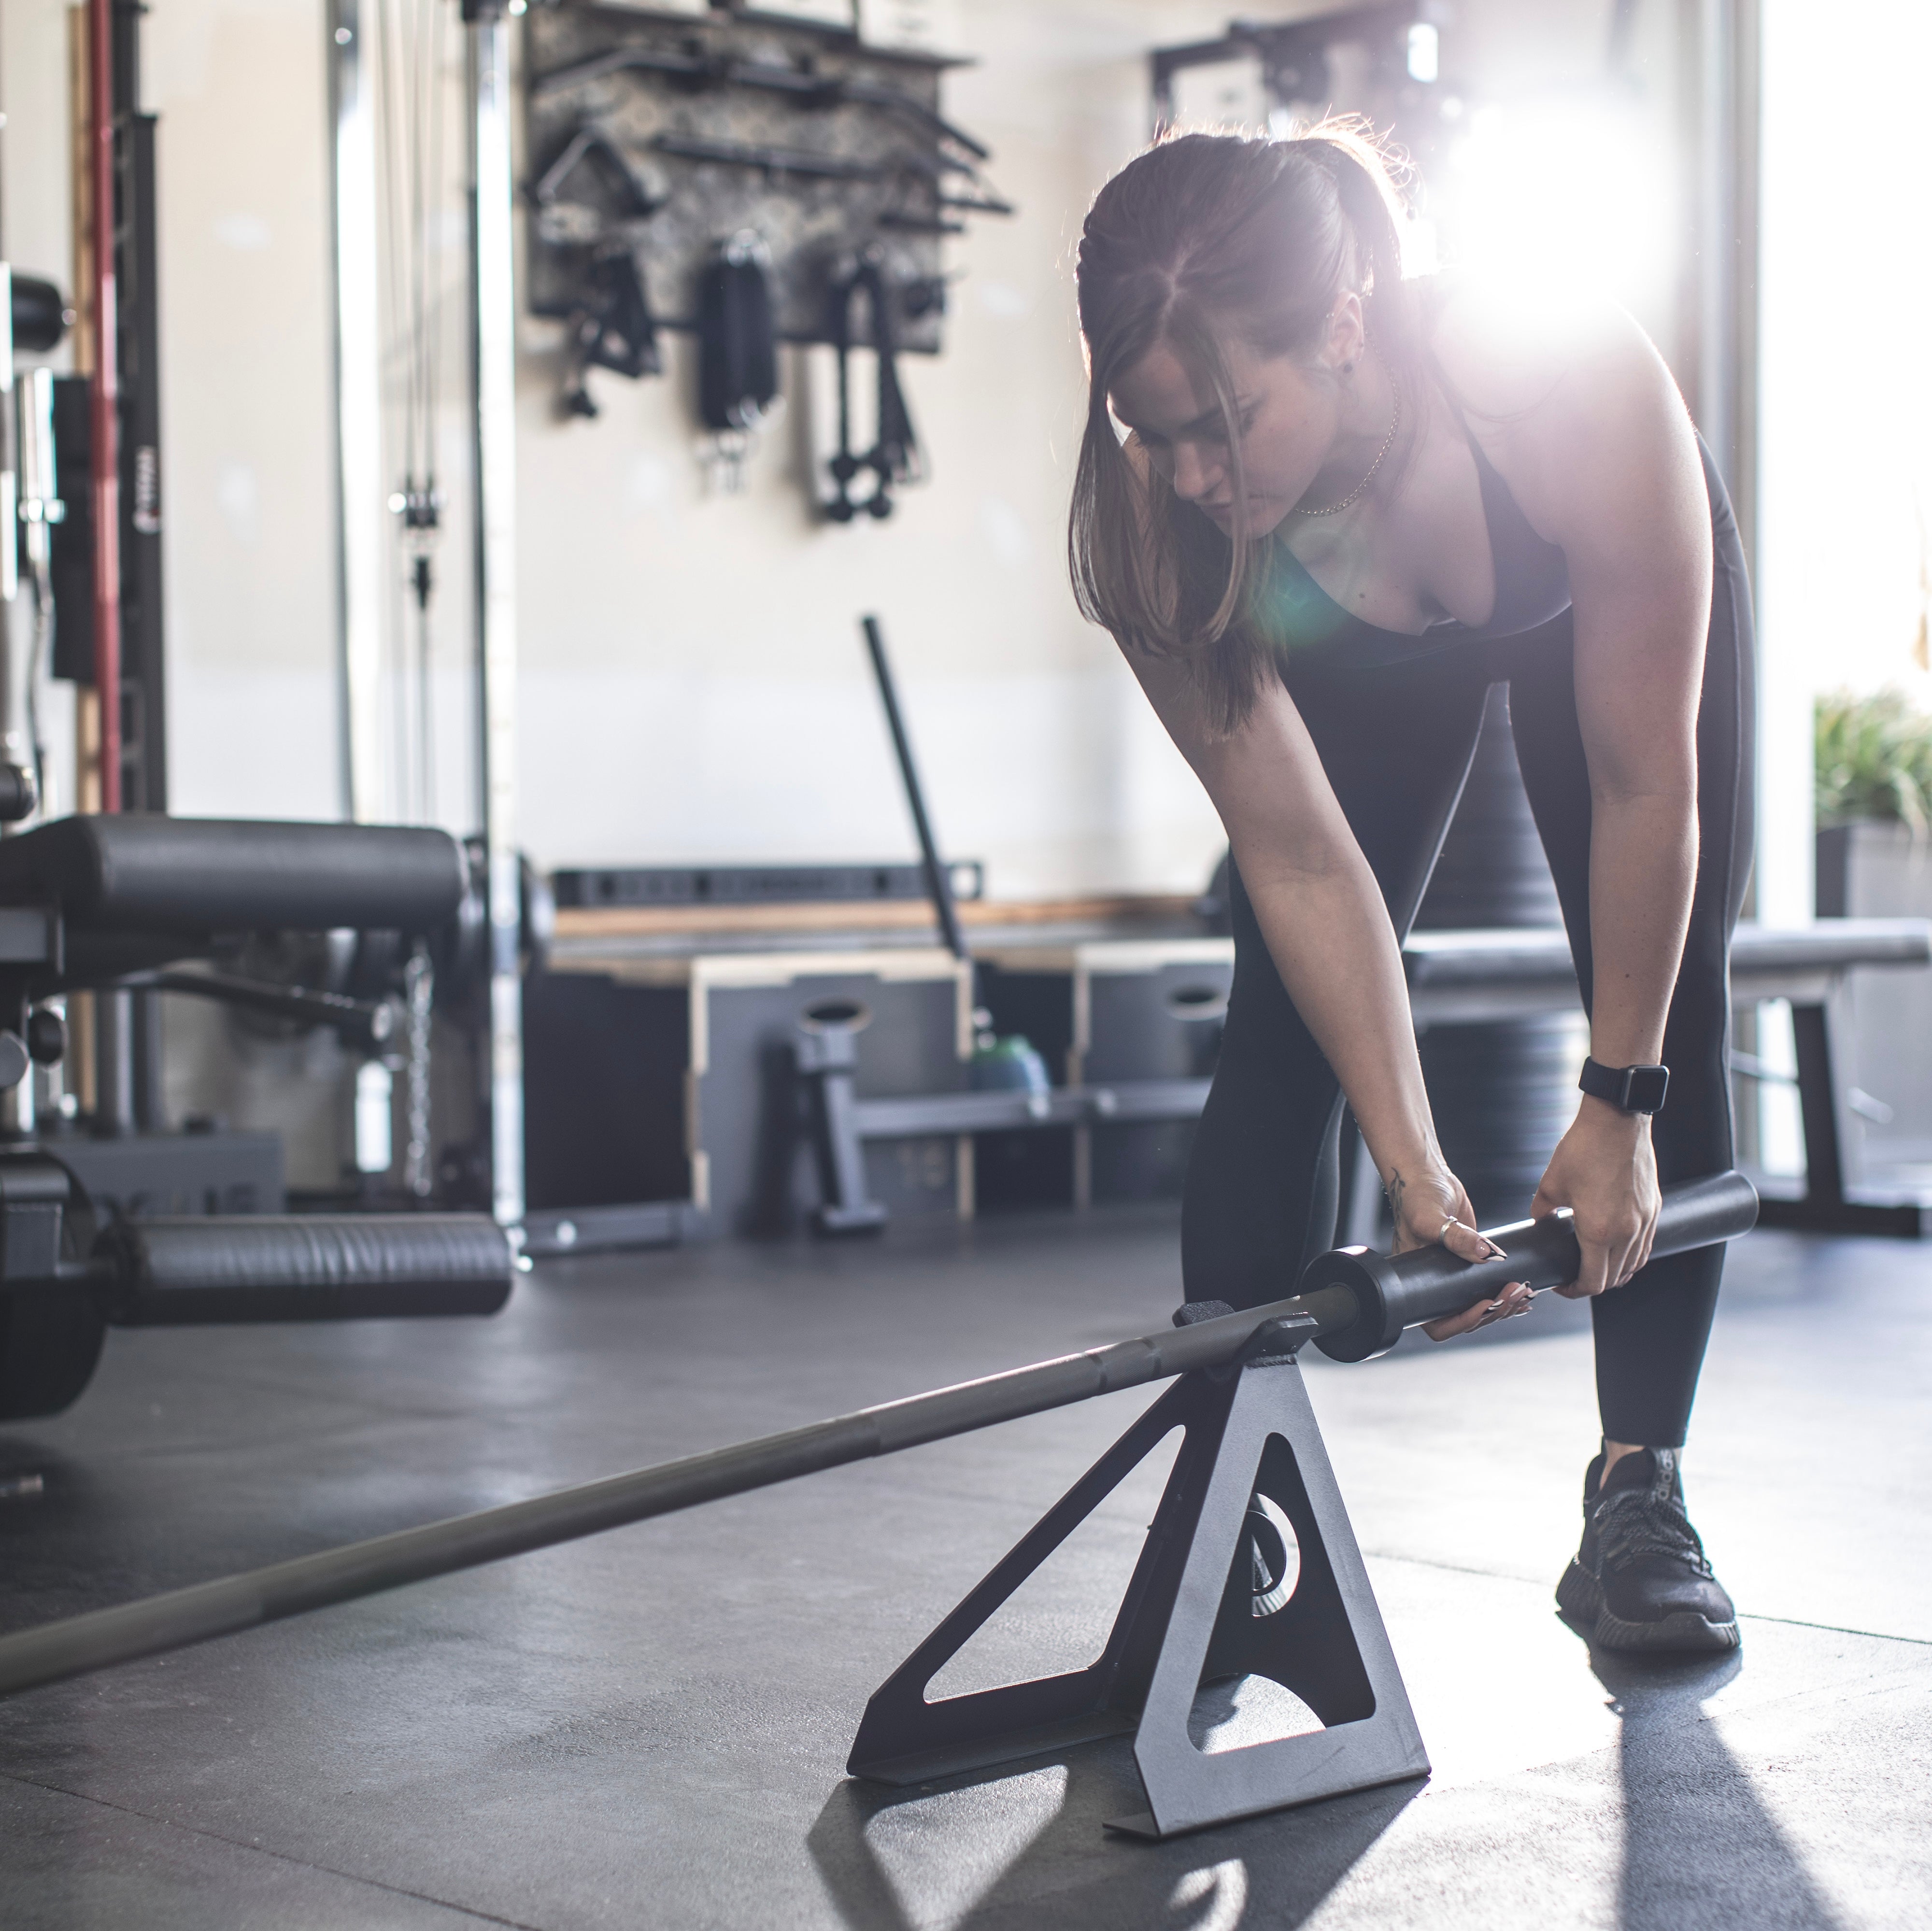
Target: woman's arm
x=1605, y=463
x=1328, y=932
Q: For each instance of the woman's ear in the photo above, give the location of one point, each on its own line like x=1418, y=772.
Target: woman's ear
x=1347, y=333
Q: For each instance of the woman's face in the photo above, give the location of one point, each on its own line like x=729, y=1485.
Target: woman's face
x=1287, y=412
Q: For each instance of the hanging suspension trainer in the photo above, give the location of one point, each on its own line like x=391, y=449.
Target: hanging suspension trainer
x=895, y=458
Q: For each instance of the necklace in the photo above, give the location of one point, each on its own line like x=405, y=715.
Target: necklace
x=1355, y=495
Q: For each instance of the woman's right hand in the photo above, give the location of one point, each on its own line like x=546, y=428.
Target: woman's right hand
x=1432, y=1209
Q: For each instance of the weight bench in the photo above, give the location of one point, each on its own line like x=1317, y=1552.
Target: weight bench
x=1454, y=978
x=1463, y=978
x=112, y=903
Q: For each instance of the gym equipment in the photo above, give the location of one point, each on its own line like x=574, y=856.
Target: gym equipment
x=894, y=458
x=1104, y=1012
x=1503, y=1091
x=938, y=874
x=737, y=354
x=41, y=313
x=610, y=324
x=1457, y=978
x=60, y=1292
x=794, y=130
x=111, y=903
x=849, y=885
x=1249, y=1570
x=1454, y=978
x=664, y=1098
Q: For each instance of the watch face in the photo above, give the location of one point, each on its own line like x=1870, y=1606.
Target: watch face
x=1644, y=1088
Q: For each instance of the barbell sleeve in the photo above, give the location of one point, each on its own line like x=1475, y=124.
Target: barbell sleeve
x=1391, y=1293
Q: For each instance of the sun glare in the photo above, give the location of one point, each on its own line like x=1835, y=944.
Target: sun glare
x=1570, y=193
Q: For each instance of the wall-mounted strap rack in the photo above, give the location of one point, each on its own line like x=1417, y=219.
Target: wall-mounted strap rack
x=656, y=136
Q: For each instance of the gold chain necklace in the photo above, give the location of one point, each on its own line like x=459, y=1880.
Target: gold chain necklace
x=1354, y=496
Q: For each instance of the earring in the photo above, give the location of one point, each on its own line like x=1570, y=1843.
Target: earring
x=1348, y=368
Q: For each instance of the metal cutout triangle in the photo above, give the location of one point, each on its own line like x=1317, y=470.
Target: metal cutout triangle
x=1210, y=1600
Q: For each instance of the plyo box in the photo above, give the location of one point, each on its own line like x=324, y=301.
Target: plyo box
x=1102, y=1011
x=679, y=1074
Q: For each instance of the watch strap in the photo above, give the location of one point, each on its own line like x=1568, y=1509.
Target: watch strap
x=1631, y=1089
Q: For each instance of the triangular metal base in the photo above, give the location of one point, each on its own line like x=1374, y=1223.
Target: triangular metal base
x=1205, y=1604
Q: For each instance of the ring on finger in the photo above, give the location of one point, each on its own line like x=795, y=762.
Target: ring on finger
x=1441, y=1232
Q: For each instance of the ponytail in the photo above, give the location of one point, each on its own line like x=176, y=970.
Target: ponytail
x=1203, y=239
x=1372, y=207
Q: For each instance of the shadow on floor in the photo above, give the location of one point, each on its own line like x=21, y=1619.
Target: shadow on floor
x=970, y=1855
x=1699, y=1846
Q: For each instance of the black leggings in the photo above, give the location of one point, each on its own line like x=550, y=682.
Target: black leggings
x=1396, y=740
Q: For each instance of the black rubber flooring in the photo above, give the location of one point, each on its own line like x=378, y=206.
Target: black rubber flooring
x=648, y=1729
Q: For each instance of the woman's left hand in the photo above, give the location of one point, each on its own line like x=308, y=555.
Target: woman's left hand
x=1605, y=1171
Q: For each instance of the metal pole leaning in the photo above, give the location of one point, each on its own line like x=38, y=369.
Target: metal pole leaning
x=1416, y=1287
x=938, y=881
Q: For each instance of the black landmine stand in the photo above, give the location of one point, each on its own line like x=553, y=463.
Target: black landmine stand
x=1206, y=1604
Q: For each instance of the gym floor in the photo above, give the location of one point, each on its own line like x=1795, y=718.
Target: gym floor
x=649, y=1727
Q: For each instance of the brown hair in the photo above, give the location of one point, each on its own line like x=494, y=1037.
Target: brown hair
x=1203, y=236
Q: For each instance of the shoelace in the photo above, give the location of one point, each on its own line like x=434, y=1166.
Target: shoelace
x=1631, y=1522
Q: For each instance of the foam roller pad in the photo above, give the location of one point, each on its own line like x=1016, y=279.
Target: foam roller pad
x=142, y=872
x=177, y=1272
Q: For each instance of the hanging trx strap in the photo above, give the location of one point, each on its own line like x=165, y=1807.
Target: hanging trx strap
x=737, y=347
x=894, y=457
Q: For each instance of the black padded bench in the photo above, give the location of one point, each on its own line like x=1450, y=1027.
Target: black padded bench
x=84, y=901
x=1454, y=978
x=1463, y=977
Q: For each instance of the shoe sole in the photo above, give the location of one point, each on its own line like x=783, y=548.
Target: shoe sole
x=1579, y=1595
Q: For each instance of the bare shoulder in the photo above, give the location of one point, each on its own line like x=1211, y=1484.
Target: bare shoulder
x=1509, y=351
x=1571, y=401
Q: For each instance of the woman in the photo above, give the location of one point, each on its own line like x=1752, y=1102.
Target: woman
x=1322, y=510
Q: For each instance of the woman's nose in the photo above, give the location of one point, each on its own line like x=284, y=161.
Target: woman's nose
x=1194, y=476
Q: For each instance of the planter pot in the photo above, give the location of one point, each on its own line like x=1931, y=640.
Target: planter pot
x=1880, y=870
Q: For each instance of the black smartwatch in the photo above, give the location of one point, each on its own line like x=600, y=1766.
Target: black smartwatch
x=1633, y=1089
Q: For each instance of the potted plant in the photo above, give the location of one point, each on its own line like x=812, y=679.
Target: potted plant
x=1874, y=802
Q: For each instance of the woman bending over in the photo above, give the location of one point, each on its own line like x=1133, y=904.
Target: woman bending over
x=1323, y=510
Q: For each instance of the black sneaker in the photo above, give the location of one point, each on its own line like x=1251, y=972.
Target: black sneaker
x=1640, y=1579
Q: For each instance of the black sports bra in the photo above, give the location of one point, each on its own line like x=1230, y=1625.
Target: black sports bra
x=1532, y=587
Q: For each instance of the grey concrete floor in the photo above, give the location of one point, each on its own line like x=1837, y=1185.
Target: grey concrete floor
x=648, y=1729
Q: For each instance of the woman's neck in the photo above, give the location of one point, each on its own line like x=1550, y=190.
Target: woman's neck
x=1368, y=401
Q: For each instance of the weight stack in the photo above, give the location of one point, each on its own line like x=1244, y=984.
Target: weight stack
x=1502, y=1094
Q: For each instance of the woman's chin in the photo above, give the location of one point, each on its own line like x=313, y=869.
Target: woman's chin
x=1262, y=517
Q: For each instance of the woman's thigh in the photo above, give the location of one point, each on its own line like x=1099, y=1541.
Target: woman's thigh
x=1261, y=1191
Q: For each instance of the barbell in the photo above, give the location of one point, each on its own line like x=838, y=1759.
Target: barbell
x=1354, y=1302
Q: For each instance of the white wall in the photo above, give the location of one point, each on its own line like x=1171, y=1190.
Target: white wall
x=247, y=495
x=1844, y=556
x=692, y=685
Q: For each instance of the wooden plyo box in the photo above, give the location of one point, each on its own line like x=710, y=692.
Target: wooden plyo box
x=1110, y=1009
x=730, y=1021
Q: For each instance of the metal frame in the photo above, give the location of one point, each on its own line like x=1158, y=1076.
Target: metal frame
x=488, y=111
x=1192, y=1615
x=494, y=396
x=360, y=555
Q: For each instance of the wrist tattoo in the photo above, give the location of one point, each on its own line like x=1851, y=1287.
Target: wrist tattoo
x=1393, y=1187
